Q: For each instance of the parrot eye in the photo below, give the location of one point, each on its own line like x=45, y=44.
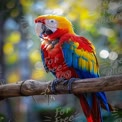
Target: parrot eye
x=51, y=24
x=52, y=21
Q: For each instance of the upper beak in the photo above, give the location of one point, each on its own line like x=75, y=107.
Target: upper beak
x=39, y=29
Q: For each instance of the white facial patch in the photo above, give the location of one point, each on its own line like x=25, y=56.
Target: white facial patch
x=38, y=28
x=51, y=24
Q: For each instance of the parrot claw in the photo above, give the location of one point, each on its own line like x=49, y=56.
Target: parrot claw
x=54, y=83
x=69, y=83
x=65, y=82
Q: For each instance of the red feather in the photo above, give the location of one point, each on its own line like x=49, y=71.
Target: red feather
x=92, y=114
x=84, y=43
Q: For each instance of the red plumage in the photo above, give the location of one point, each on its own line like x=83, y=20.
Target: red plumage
x=54, y=60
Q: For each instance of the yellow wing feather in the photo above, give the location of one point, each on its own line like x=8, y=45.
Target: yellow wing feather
x=87, y=60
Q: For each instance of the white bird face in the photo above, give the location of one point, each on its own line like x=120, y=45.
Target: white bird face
x=46, y=28
x=51, y=24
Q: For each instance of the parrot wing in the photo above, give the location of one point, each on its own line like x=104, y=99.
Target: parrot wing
x=79, y=53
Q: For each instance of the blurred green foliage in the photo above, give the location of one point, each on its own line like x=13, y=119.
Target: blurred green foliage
x=98, y=20
x=2, y=118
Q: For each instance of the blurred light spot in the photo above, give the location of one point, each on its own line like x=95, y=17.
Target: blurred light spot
x=10, y=24
x=86, y=24
x=35, y=56
x=29, y=44
x=11, y=59
x=85, y=14
x=65, y=5
x=14, y=37
x=8, y=48
x=39, y=65
x=26, y=2
x=106, y=31
x=14, y=13
x=13, y=77
x=38, y=6
x=54, y=11
x=29, y=20
x=113, y=56
x=58, y=11
x=104, y=54
x=38, y=74
x=71, y=16
x=10, y=4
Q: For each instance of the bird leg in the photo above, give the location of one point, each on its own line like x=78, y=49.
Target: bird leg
x=65, y=82
x=69, y=83
x=55, y=82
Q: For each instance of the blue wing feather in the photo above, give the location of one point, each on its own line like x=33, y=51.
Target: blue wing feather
x=75, y=60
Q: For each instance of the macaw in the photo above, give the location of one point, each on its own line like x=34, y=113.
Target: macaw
x=69, y=56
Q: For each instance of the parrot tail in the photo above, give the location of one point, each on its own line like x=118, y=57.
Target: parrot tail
x=91, y=107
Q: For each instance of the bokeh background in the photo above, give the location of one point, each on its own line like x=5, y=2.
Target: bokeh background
x=98, y=20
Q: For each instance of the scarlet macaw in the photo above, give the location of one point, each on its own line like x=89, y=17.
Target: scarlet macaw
x=69, y=56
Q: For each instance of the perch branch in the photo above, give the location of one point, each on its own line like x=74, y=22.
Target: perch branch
x=33, y=87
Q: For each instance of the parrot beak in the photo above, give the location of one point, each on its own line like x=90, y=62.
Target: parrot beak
x=38, y=29
x=41, y=30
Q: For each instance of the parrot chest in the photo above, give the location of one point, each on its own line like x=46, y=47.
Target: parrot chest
x=54, y=61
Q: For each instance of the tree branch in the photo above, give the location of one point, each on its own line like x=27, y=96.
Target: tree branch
x=32, y=87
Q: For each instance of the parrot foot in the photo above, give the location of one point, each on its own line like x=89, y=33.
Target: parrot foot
x=69, y=83
x=54, y=83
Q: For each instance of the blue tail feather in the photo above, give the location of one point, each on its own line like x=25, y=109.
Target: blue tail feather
x=103, y=99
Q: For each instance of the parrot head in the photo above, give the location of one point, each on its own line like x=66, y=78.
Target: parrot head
x=52, y=26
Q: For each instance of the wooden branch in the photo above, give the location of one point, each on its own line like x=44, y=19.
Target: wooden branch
x=32, y=87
